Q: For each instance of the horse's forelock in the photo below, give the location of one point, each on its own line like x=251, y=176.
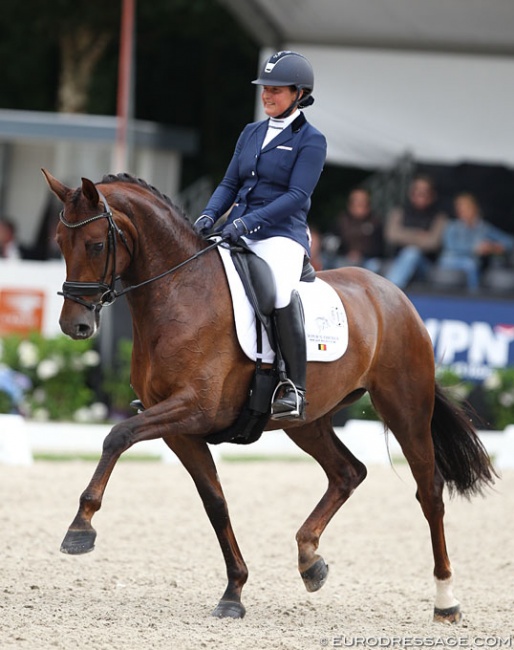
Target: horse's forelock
x=73, y=205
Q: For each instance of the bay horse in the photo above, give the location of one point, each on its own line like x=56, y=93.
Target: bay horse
x=192, y=376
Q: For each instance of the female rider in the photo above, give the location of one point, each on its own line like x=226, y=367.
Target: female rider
x=267, y=187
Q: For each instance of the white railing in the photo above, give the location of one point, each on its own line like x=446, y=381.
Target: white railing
x=21, y=439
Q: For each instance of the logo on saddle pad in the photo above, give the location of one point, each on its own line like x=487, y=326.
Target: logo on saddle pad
x=326, y=325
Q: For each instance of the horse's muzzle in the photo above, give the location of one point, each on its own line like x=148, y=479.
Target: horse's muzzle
x=78, y=323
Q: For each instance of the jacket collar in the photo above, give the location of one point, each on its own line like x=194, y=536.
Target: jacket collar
x=282, y=137
x=298, y=123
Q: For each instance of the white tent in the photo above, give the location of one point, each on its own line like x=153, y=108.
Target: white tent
x=433, y=78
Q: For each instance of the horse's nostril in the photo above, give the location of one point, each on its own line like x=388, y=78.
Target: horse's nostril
x=83, y=330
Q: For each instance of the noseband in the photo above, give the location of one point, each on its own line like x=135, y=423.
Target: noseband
x=75, y=290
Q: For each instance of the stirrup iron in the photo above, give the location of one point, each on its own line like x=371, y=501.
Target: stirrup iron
x=137, y=405
x=297, y=412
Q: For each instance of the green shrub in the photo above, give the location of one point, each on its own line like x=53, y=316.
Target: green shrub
x=499, y=395
x=116, y=384
x=58, y=371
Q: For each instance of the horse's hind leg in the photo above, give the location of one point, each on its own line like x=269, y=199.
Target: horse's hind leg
x=344, y=473
x=447, y=607
x=412, y=428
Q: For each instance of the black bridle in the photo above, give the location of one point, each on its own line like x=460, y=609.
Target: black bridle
x=76, y=290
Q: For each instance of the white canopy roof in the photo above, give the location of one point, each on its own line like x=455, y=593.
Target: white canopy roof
x=434, y=78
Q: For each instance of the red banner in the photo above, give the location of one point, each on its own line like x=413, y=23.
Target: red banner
x=21, y=311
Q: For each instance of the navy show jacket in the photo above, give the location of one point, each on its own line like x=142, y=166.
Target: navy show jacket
x=270, y=188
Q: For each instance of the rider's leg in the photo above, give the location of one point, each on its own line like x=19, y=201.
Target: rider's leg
x=289, y=323
x=285, y=258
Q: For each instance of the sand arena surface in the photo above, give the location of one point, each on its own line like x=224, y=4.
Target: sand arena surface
x=157, y=571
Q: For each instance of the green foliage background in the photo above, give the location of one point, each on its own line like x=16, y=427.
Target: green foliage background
x=65, y=392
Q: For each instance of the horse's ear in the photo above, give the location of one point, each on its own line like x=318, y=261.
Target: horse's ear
x=60, y=190
x=90, y=192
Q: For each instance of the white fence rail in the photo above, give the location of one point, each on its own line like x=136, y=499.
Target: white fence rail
x=21, y=439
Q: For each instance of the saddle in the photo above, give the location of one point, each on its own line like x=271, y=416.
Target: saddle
x=259, y=285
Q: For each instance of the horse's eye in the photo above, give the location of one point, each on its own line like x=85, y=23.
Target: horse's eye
x=96, y=247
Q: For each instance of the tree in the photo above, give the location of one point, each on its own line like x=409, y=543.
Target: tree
x=83, y=30
x=194, y=64
x=81, y=49
x=62, y=43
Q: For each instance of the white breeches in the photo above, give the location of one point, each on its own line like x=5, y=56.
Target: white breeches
x=285, y=258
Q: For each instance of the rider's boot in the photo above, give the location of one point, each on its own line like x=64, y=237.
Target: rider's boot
x=290, y=329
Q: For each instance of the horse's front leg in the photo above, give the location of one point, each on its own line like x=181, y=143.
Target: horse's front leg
x=81, y=535
x=196, y=457
x=149, y=425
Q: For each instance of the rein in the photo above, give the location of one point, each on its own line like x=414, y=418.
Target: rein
x=75, y=290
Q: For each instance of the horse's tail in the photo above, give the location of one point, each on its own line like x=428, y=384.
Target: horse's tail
x=459, y=453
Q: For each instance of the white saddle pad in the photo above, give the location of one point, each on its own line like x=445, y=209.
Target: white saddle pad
x=326, y=326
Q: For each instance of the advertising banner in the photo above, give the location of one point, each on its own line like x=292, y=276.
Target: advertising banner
x=471, y=336
x=28, y=296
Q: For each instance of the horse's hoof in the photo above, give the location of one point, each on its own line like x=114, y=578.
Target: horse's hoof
x=315, y=576
x=450, y=615
x=78, y=542
x=229, y=609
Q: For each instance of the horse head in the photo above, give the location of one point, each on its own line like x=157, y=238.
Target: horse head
x=96, y=242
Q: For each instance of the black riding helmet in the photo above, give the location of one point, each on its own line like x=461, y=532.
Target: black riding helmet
x=288, y=68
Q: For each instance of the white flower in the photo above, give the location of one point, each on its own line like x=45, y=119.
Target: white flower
x=41, y=415
x=459, y=392
x=94, y=413
x=28, y=354
x=39, y=395
x=59, y=360
x=98, y=411
x=47, y=369
x=91, y=358
x=82, y=415
x=492, y=382
x=506, y=399
x=77, y=364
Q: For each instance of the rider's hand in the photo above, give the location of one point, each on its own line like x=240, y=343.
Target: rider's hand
x=233, y=231
x=203, y=224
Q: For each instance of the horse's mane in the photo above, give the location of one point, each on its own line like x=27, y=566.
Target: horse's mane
x=133, y=180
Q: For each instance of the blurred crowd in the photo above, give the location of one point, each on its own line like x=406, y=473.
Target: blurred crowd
x=43, y=247
x=420, y=242
x=9, y=248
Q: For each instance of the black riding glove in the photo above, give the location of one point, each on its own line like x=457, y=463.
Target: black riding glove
x=234, y=231
x=203, y=224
